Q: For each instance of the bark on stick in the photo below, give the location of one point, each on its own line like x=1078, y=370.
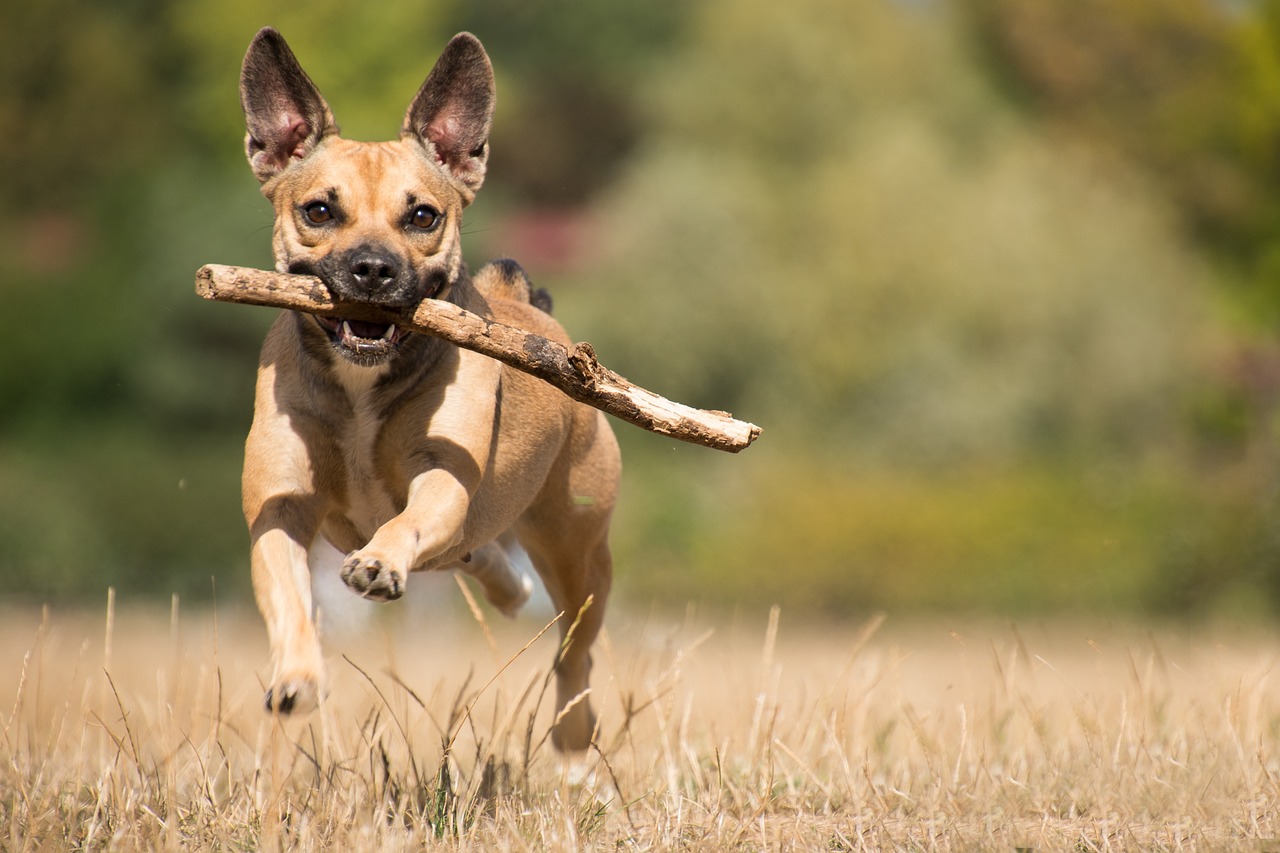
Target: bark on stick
x=574, y=370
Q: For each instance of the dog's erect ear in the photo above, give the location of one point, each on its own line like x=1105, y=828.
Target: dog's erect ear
x=453, y=110
x=283, y=109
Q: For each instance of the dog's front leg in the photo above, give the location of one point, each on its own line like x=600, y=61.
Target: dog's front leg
x=284, y=508
x=282, y=588
x=444, y=469
x=431, y=524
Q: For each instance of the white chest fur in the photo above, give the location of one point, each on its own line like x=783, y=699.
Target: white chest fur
x=368, y=504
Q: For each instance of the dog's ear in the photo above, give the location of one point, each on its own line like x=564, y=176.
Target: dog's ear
x=283, y=109
x=452, y=112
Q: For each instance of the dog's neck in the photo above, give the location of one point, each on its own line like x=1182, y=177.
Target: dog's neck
x=358, y=381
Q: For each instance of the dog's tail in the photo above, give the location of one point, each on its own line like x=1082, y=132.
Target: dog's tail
x=506, y=279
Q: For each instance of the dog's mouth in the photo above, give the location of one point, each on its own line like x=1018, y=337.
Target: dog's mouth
x=361, y=342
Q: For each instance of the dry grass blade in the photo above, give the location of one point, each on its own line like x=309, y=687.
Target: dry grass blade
x=404, y=734
x=478, y=615
x=467, y=714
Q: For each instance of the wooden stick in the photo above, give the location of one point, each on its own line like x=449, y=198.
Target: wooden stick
x=575, y=371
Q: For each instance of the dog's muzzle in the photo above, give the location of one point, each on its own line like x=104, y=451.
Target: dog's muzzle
x=369, y=275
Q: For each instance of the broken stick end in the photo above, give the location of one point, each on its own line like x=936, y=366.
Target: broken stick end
x=204, y=282
x=753, y=432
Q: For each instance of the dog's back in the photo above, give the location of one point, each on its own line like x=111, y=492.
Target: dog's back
x=506, y=279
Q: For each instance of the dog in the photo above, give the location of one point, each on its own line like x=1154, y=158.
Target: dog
x=403, y=451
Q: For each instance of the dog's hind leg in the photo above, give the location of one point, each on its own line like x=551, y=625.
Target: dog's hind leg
x=566, y=534
x=578, y=583
x=505, y=588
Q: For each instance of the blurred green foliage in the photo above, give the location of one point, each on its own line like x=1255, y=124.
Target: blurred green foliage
x=997, y=278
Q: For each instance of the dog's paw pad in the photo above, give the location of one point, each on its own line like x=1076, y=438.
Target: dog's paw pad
x=371, y=579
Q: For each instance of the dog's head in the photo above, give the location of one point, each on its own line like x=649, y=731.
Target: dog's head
x=378, y=222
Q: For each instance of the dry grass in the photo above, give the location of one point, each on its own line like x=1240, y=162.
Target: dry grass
x=148, y=733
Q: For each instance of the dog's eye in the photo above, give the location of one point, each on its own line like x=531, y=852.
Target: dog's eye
x=424, y=216
x=317, y=212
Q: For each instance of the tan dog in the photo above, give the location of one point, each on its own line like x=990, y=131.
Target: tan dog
x=403, y=451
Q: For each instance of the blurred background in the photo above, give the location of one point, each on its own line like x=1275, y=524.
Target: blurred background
x=1000, y=280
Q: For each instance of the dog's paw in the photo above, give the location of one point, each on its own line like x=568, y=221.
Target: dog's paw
x=292, y=696
x=574, y=728
x=511, y=607
x=371, y=579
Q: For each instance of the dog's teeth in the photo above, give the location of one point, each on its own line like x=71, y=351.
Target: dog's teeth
x=346, y=330
x=389, y=333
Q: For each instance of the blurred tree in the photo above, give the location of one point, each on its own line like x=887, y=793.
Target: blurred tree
x=1188, y=92
x=837, y=227
x=569, y=88
x=1188, y=95
x=76, y=103
x=892, y=256
x=964, y=310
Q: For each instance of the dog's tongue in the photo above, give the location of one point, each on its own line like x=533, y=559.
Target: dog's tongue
x=367, y=330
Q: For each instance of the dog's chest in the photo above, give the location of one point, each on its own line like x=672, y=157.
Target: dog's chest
x=369, y=502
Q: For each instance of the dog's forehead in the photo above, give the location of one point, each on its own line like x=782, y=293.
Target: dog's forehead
x=374, y=172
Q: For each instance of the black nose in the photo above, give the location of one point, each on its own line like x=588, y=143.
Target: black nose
x=373, y=271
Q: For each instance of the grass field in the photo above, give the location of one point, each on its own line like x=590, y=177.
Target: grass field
x=129, y=729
